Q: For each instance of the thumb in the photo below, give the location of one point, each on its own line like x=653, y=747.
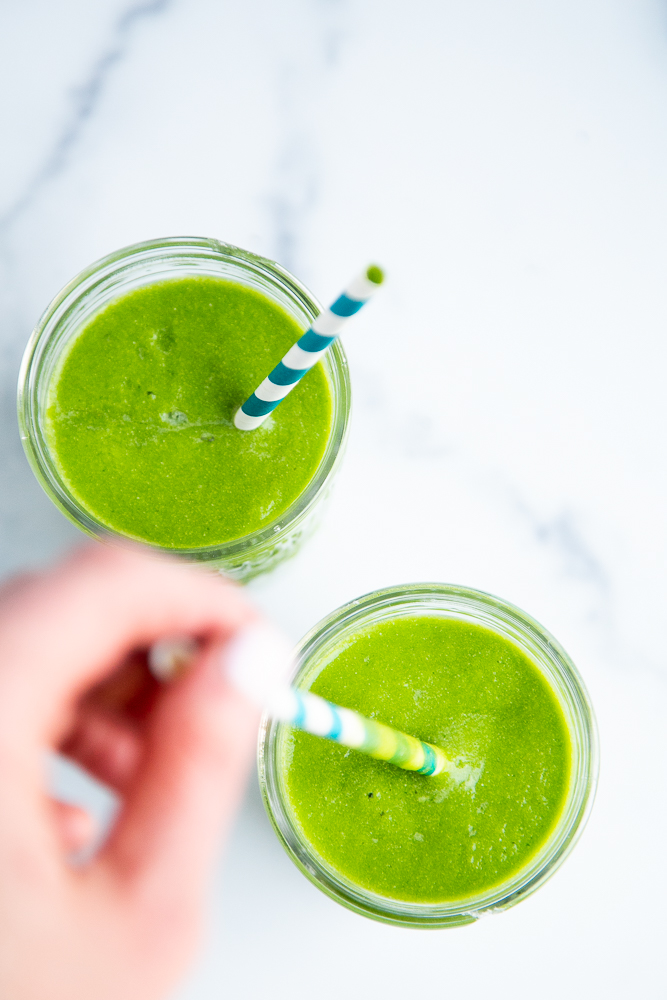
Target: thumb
x=200, y=744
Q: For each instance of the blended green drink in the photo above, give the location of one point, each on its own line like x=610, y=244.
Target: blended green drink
x=129, y=388
x=475, y=677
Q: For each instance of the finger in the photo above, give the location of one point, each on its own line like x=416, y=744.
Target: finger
x=105, y=746
x=106, y=733
x=66, y=629
x=199, y=748
x=171, y=657
x=75, y=827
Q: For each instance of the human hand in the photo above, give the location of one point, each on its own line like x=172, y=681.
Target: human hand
x=73, y=677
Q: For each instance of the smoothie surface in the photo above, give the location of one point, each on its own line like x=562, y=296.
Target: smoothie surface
x=139, y=415
x=433, y=839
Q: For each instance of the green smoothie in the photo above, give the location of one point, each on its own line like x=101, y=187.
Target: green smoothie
x=437, y=839
x=140, y=408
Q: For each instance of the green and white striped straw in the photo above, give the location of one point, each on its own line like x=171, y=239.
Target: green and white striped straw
x=253, y=660
x=307, y=351
x=312, y=714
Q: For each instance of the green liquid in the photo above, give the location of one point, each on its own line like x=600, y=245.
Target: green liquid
x=433, y=839
x=140, y=411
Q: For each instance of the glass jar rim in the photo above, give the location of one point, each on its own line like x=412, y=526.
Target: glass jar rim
x=185, y=253
x=506, y=619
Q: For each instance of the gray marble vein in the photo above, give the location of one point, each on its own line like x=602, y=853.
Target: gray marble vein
x=297, y=172
x=85, y=100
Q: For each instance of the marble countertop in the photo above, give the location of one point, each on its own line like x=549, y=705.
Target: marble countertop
x=506, y=163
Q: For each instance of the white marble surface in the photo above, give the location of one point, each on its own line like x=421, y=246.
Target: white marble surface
x=506, y=162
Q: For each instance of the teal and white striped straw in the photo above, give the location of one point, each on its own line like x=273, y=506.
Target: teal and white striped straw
x=307, y=351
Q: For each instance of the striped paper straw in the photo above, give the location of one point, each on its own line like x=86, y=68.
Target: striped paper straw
x=307, y=351
x=257, y=657
x=315, y=715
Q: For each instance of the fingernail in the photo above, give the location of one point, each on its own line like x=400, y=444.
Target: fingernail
x=170, y=657
x=258, y=660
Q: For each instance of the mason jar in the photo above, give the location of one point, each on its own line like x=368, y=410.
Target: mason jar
x=320, y=646
x=145, y=264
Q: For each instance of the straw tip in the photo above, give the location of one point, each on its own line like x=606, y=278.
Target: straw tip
x=375, y=274
x=245, y=422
